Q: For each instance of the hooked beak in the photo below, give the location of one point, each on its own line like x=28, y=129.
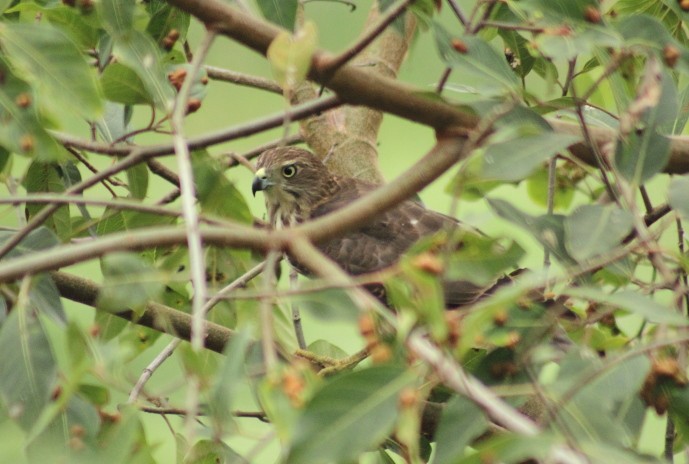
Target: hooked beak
x=260, y=182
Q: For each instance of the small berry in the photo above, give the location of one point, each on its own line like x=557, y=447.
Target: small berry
x=671, y=54
x=460, y=46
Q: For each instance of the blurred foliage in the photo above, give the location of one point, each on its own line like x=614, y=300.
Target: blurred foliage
x=592, y=347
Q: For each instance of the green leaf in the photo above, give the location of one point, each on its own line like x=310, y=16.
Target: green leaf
x=560, y=10
x=280, y=12
x=139, y=52
x=137, y=180
x=97, y=394
x=522, y=61
x=215, y=192
x=633, y=302
x=594, y=397
x=45, y=298
x=640, y=156
x=570, y=46
x=28, y=369
x=52, y=63
x=330, y=305
x=592, y=230
x=642, y=151
x=461, y=422
x=46, y=178
x=129, y=283
x=117, y=16
x=481, y=259
x=166, y=18
x=480, y=61
x=115, y=121
x=515, y=159
x=678, y=195
x=325, y=348
x=117, y=221
x=121, y=84
x=348, y=416
x=38, y=240
x=23, y=129
x=230, y=377
x=212, y=452
x=547, y=229
x=513, y=449
x=290, y=55
x=537, y=188
x=81, y=28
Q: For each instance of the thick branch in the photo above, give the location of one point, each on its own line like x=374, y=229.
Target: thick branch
x=156, y=316
x=356, y=86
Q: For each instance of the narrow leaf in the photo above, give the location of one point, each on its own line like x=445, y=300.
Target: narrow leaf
x=461, y=422
x=634, y=302
x=476, y=58
x=128, y=283
x=53, y=64
x=348, y=416
x=28, y=369
x=515, y=159
x=594, y=229
x=140, y=53
x=678, y=195
x=280, y=12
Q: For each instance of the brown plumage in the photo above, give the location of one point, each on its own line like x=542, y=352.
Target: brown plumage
x=298, y=187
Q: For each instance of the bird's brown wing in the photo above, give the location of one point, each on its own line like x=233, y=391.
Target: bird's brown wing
x=381, y=242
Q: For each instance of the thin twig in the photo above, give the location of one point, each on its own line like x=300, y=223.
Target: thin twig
x=601, y=164
x=266, y=313
x=120, y=203
x=296, y=315
x=458, y=12
x=512, y=26
x=151, y=368
x=11, y=183
x=134, y=157
x=254, y=152
x=646, y=199
x=191, y=223
x=82, y=159
x=260, y=415
x=571, y=66
x=369, y=36
x=162, y=171
x=295, y=113
x=443, y=80
x=243, y=79
x=552, y=171
x=490, y=4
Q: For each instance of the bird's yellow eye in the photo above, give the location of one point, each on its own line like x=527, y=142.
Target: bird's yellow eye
x=289, y=170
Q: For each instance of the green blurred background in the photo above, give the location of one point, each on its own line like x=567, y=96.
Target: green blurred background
x=401, y=143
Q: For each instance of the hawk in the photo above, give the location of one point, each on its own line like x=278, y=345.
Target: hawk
x=297, y=187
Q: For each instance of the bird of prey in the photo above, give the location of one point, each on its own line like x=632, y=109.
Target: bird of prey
x=298, y=187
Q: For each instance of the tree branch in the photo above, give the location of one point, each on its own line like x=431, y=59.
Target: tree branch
x=426, y=170
x=152, y=151
x=356, y=86
x=156, y=316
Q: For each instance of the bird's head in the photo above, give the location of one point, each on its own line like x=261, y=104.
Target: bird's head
x=290, y=178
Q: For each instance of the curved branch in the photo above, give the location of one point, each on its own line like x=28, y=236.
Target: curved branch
x=357, y=87
x=243, y=79
x=426, y=170
x=156, y=316
x=152, y=151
